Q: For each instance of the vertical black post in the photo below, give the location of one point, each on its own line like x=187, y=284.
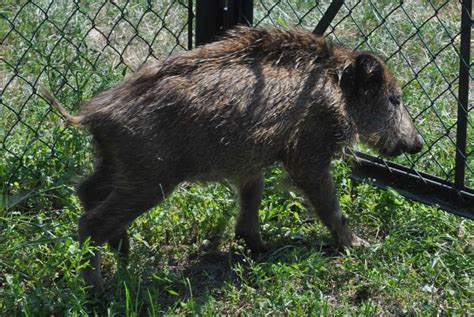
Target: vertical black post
x=246, y=14
x=463, y=94
x=213, y=17
x=237, y=12
x=208, y=20
x=190, y=24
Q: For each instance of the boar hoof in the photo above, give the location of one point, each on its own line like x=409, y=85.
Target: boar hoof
x=255, y=244
x=258, y=247
x=348, y=239
x=359, y=242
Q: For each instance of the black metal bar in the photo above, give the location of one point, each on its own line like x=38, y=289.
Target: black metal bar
x=214, y=17
x=246, y=12
x=427, y=189
x=328, y=16
x=190, y=24
x=209, y=20
x=237, y=12
x=463, y=94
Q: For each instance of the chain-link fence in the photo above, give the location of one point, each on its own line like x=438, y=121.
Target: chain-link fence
x=79, y=48
x=76, y=48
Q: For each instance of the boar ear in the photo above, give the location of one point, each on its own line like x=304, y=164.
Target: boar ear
x=347, y=77
x=369, y=68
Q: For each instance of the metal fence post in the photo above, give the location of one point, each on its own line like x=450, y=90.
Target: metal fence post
x=208, y=20
x=214, y=17
x=463, y=94
x=237, y=12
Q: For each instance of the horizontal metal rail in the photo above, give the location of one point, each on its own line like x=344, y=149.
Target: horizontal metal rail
x=421, y=187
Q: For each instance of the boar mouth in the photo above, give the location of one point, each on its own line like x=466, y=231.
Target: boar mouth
x=403, y=147
x=393, y=152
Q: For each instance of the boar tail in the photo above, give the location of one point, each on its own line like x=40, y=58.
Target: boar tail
x=72, y=120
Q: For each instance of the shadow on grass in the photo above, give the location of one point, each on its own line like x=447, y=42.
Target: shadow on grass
x=202, y=274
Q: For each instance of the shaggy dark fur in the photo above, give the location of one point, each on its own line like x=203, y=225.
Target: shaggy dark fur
x=226, y=111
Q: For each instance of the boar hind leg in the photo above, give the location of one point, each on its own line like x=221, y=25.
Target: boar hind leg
x=320, y=189
x=94, y=189
x=108, y=221
x=247, y=226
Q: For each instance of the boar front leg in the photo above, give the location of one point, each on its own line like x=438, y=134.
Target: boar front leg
x=319, y=188
x=248, y=226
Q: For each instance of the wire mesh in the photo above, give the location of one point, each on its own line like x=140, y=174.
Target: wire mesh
x=76, y=48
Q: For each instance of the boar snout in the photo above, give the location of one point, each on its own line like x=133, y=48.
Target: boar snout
x=412, y=146
x=416, y=145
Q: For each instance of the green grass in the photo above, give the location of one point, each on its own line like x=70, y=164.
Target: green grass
x=184, y=259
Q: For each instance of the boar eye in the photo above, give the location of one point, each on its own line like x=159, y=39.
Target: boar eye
x=395, y=100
